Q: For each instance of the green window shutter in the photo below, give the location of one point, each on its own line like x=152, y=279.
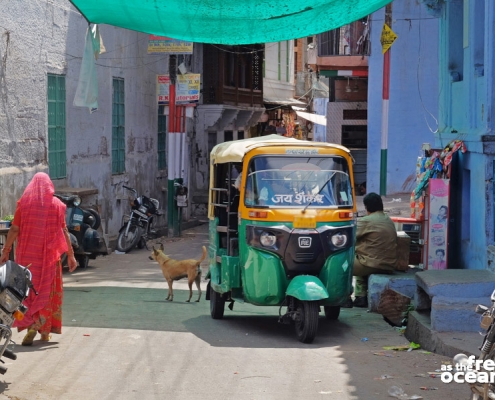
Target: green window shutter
x=162, y=138
x=118, y=127
x=57, y=156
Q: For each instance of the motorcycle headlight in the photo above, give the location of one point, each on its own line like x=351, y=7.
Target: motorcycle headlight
x=267, y=239
x=8, y=301
x=143, y=209
x=76, y=201
x=339, y=239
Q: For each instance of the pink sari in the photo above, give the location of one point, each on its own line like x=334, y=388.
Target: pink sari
x=41, y=241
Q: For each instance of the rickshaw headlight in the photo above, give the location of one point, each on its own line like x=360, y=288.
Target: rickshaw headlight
x=339, y=239
x=267, y=239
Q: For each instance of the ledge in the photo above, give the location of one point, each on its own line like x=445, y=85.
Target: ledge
x=79, y=191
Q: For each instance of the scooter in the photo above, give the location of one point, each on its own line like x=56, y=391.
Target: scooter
x=137, y=228
x=82, y=225
x=15, y=284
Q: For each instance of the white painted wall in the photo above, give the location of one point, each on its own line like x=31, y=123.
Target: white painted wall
x=37, y=38
x=275, y=86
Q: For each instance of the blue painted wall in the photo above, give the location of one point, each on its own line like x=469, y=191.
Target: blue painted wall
x=466, y=112
x=414, y=99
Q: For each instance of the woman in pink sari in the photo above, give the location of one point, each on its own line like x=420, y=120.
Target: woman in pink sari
x=42, y=237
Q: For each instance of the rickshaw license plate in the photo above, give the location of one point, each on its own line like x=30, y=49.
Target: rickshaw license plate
x=304, y=222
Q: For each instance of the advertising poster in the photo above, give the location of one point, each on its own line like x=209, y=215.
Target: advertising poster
x=162, y=44
x=438, y=223
x=186, y=88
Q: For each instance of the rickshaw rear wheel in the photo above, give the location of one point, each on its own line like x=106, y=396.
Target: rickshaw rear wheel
x=217, y=304
x=306, y=322
x=332, y=312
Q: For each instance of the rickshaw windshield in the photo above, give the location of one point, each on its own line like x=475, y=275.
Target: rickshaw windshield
x=281, y=181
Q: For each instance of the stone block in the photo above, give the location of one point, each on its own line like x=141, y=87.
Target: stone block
x=456, y=313
x=452, y=282
x=401, y=282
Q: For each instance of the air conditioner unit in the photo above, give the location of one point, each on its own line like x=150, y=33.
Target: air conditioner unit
x=416, y=231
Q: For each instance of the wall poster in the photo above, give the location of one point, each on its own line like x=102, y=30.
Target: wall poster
x=438, y=223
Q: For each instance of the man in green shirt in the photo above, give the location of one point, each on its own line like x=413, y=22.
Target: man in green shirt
x=376, y=246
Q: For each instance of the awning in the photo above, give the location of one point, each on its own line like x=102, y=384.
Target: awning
x=227, y=21
x=315, y=118
x=284, y=102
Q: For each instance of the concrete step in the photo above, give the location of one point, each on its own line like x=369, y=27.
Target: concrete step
x=402, y=282
x=450, y=314
x=456, y=282
x=448, y=344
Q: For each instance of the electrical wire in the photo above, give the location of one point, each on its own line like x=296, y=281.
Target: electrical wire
x=419, y=88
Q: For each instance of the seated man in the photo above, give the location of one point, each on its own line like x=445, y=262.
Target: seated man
x=376, y=247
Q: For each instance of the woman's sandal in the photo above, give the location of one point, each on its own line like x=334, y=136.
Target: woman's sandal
x=28, y=339
x=45, y=337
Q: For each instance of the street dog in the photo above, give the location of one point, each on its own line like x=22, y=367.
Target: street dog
x=173, y=270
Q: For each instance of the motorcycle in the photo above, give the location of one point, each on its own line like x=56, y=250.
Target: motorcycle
x=15, y=284
x=136, y=230
x=82, y=225
x=484, y=391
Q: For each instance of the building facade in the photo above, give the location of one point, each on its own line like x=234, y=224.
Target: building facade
x=121, y=143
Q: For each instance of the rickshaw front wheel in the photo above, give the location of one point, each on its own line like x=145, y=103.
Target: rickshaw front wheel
x=217, y=304
x=306, y=321
x=332, y=312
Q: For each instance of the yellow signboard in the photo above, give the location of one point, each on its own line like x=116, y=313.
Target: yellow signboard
x=162, y=44
x=388, y=37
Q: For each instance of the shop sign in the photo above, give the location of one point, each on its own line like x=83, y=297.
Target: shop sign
x=186, y=88
x=162, y=44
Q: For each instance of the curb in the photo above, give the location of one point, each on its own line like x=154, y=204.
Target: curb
x=446, y=344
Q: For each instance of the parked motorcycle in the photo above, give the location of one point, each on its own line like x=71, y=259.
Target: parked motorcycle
x=15, y=283
x=484, y=391
x=82, y=225
x=137, y=228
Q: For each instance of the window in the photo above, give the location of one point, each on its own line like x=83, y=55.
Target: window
x=455, y=20
x=118, y=127
x=298, y=181
x=56, y=127
x=352, y=39
x=162, y=138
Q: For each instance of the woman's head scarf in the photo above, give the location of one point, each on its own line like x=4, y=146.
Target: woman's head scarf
x=41, y=240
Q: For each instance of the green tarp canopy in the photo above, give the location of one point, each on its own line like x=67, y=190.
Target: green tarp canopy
x=228, y=21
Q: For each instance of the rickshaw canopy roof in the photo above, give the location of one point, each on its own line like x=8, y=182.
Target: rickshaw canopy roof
x=228, y=21
x=235, y=151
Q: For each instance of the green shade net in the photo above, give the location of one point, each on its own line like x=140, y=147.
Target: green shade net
x=228, y=21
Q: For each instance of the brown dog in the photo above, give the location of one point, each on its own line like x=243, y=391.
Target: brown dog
x=173, y=270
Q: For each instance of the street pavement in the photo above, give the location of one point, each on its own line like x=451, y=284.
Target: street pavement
x=122, y=340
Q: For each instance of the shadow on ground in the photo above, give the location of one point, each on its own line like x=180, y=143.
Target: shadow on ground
x=147, y=309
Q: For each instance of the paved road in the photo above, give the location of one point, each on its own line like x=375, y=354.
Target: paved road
x=122, y=340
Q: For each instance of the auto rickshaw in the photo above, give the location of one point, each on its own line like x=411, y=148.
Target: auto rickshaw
x=284, y=234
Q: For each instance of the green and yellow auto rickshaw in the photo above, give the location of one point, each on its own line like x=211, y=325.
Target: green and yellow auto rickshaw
x=282, y=218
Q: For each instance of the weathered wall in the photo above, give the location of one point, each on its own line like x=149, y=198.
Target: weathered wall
x=53, y=42
x=467, y=60
x=413, y=106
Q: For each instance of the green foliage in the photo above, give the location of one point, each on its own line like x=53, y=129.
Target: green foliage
x=9, y=217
